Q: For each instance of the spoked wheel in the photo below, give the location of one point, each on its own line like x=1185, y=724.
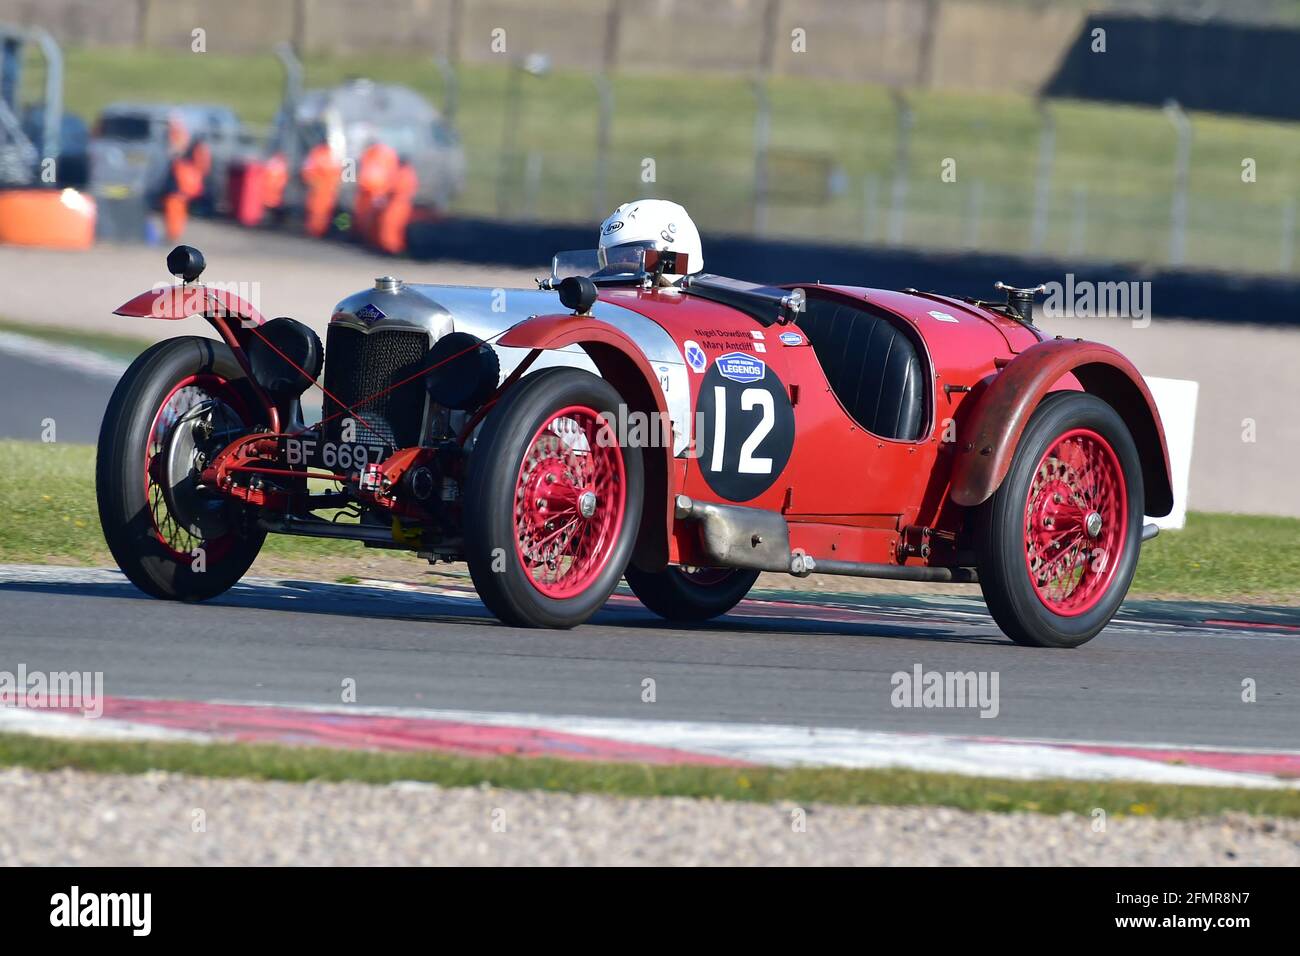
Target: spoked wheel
x=552, y=501
x=178, y=404
x=690, y=594
x=1061, y=536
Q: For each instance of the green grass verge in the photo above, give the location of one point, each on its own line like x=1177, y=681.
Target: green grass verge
x=124, y=347
x=833, y=150
x=1224, y=556
x=757, y=784
x=48, y=493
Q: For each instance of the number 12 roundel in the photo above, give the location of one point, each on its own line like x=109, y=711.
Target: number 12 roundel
x=744, y=426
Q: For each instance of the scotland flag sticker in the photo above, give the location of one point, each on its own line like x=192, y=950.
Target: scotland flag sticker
x=695, y=356
x=741, y=368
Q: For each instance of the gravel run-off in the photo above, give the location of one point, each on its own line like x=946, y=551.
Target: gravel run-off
x=70, y=817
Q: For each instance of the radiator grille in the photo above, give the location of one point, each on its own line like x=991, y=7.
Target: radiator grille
x=358, y=365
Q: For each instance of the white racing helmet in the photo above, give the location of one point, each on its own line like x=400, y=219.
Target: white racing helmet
x=651, y=224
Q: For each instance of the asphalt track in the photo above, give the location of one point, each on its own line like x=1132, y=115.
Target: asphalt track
x=35, y=391
x=1161, y=673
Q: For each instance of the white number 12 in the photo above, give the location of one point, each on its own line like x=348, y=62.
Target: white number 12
x=749, y=399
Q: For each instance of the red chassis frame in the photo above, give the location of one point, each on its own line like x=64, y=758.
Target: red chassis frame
x=907, y=500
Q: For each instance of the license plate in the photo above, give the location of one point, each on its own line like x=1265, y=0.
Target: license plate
x=333, y=456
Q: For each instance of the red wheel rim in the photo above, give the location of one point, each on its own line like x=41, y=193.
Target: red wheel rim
x=569, y=502
x=1076, y=522
x=179, y=541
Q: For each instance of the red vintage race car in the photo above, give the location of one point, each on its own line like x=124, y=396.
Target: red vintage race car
x=605, y=426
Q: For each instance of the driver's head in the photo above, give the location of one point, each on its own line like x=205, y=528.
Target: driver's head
x=651, y=224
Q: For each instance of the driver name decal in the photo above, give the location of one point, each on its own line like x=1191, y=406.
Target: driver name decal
x=740, y=368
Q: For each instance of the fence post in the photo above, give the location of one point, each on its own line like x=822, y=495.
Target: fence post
x=1182, y=169
x=1286, y=248
x=762, y=134
x=1043, y=179
x=870, y=206
x=532, y=183
x=604, y=123
x=974, y=208
x=605, y=114
x=1079, y=229
x=763, y=112
x=898, y=198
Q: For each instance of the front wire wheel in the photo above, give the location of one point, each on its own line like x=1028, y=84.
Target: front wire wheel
x=1059, y=540
x=569, y=502
x=178, y=404
x=552, y=500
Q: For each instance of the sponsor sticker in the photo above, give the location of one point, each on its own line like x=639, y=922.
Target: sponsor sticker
x=791, y=338
x=695, y=356
x=943, y=316
x=370, y=313
x=741, y=368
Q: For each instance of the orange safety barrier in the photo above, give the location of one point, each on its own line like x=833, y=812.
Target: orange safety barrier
x=56, y=218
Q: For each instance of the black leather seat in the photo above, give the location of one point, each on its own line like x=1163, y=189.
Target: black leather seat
x=872, y=365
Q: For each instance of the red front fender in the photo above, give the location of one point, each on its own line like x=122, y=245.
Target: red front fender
x=230, y=315
x=182, y=301
x=623, y=365
x=989, y=438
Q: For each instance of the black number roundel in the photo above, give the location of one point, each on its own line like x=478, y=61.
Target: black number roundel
x=744, y=427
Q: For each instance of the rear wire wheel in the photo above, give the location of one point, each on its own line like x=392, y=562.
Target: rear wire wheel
x=690, y=594
x=552, y=501
x=181, y=401
x=1060, y=538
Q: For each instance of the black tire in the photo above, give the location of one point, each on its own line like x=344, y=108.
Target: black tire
x=128, y=519
x=492, y=543
x=1002, y=523
x=677, y=596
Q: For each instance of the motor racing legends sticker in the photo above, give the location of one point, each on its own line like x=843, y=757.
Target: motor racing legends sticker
x=740, y=368
x=695, y=356
x=942, y=316
x=791, y=338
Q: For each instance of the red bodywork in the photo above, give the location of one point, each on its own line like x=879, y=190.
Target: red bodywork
x=845, y=492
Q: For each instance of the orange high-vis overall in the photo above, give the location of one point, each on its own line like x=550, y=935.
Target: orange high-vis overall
x=395, y=215
x=275, y=177
x=321, y=173
x=188, y=184
x=375, y=175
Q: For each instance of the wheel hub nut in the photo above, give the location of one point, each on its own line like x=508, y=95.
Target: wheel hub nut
x=587, y=504
x=1092, y=524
